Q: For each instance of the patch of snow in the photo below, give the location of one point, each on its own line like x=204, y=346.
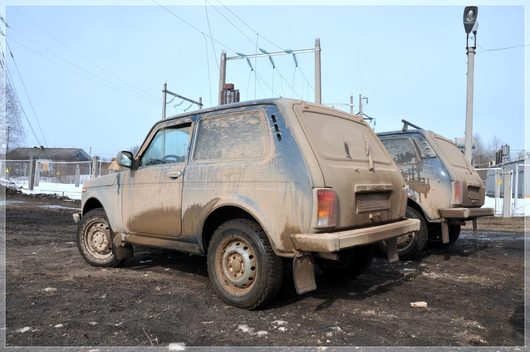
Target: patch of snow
x=177, y=346
x=58, y=326
x=262, y=333
x=50, y=289
x=245, y=328
x=279, y=322
x=522, y=209
x=24, y=329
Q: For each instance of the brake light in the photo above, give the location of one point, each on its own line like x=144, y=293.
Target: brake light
x=326, y=208
x=458, y=192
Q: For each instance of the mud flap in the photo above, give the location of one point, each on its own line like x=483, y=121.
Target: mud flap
x=304, y=274
x=121, y=249
x=474, y=221
x=445, y=232
x=391, y=250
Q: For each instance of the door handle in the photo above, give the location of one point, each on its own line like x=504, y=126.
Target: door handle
x=174, y=174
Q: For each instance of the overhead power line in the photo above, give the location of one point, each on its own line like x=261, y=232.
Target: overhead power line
x=27, y=94
x=89, y=77
x=504, y=48
x=192, y=26
x=107, y=72
x=10, y=80
x=248, y=26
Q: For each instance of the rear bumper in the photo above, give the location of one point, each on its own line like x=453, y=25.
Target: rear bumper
x=465, y=213
x=336, y=241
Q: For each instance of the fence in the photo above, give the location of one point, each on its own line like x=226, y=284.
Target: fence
x=57, y=177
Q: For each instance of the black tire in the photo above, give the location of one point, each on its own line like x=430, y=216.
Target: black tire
x=94, y=239
x=435, y=235
x=352, y=262
x=412, y=246
x=243, y=268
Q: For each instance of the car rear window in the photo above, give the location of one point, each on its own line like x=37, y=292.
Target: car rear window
x=233, y=136
x=343, y=139
x=402, y=150
x=451, y=152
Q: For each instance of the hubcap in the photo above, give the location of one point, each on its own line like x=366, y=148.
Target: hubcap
x=97, y=240
x=405, y=241
x=239, y=264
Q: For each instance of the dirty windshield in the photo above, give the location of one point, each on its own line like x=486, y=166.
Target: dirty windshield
x=343, y=139
x=451, y=152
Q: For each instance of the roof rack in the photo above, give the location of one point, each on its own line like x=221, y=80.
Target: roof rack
x=406, y=125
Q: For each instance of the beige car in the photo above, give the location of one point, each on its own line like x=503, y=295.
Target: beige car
x=246, y=185
x=444, y=192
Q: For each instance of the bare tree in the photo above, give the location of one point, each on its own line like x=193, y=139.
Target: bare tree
x=11, y=129
x=484, y=153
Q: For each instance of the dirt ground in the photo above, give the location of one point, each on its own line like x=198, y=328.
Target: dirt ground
x=474, y=292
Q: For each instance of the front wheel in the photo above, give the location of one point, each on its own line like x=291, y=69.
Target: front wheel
x=94, y=239
x=243, y=268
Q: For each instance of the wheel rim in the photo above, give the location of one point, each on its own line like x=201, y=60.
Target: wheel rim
x=97, y=240
x=406, y=241
x=236, y=265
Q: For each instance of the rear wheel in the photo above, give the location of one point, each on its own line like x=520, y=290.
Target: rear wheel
x=95, y=239
x=243, y=268
x=352, y=262
x=411, y=246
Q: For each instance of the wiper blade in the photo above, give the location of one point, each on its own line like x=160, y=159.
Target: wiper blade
x=369, y=154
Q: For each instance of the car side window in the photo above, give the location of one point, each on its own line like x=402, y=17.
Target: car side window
x=169, y=146
x=402, y=150
x=236, y=136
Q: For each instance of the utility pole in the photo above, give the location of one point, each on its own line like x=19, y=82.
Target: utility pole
x=222, y=76
x=470, y=25
x=164, y=97
x=361, y=98
x=318, y=73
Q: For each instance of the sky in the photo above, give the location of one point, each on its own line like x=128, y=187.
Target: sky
x=94, y=74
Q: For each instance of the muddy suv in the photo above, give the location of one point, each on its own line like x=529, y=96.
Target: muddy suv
x=444, y=190
x=247, y=184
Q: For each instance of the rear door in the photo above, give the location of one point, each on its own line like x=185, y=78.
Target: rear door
x=356, y=165
x=152, y=193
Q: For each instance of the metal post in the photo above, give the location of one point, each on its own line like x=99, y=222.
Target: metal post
x=507, y=193
x=318, y=77
x=164, y=97
x=469, y=102
x=351, y=104
x=37, y=173
x=94, y=170
x=77, y=175
x=222, y=76
x=516, y=193
x=361, y=105
x=31, y=179
x=498, y=182
x=200, y=103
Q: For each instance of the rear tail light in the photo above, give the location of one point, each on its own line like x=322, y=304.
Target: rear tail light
x=458, y=192
x=326, y=208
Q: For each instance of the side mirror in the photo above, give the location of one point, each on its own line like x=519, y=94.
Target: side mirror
x=125, y=159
